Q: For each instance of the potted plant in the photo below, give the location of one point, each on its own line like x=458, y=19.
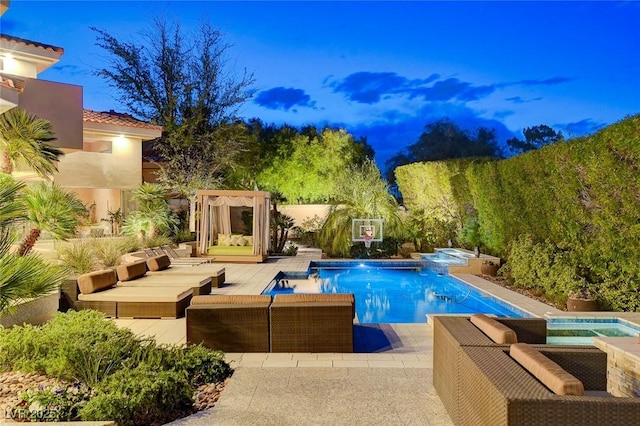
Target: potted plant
x=489, y=267
x=581, y=300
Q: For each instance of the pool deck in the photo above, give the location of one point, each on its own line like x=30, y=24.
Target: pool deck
x=387, y=381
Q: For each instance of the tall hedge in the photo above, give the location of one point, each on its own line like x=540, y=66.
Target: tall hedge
x=582, y=195
x=439, y=187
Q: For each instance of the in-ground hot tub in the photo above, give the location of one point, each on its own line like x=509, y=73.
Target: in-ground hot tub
x=581, y=331
x=457, y=261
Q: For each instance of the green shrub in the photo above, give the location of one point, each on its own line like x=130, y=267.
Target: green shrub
x=140, y=396
x=128, y=244
x=379, y=250
x=157, y=241
x=135, y=380
x=202, y=365
x=469, y=235
x=21, y=349
x=108, y=251
x=428, y=232
x=79, y=256
x=544, y=267
x=75, y=346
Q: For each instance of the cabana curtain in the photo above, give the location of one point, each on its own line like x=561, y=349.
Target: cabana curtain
x=216, y=218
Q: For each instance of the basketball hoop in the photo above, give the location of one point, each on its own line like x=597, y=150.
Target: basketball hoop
x=366, y=231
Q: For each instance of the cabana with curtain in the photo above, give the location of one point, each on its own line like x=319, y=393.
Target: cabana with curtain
x=233, y=226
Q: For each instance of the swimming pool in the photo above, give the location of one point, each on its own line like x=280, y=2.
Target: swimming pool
x=580, y=331
x=394, y=293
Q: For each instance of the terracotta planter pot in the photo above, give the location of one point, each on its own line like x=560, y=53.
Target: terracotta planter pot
x=489, y=269
x=581, y=305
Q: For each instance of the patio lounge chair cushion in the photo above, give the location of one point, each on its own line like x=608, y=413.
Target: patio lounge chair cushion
x=158, y=263
x=133, y=270
x=230, y=299
x=546, y=371
x=496, y=331
x=96, y=281
x=318, y=297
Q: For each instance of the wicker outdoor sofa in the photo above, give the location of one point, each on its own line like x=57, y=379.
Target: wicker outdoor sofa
x=129, y=292
x=286, y=323
x=482, y=382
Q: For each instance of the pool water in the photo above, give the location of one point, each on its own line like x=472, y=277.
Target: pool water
x=581, y=331
x=386, y=295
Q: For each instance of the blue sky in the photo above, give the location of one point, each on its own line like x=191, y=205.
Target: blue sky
x=384, y=69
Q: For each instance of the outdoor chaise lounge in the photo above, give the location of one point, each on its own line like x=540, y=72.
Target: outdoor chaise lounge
x=132, y=294
x=483, y=382
x=312, y=323
x=230, y=323
x=162, y=266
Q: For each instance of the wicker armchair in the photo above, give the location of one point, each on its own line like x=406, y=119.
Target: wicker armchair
x=480, y=384
x=495, y=390
x=230, y=323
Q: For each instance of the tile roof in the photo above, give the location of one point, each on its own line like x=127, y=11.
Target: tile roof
x=36, y=44
x=116, y=119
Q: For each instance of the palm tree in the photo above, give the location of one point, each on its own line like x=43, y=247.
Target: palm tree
x=153, y=215
x=50, y=208
x=20, y=277
x=363, y=194
x=25, y=139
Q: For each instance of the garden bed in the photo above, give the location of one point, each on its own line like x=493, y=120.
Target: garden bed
x=103, y=373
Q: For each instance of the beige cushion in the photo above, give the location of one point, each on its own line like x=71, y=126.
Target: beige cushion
x=133, y=270
x=158, y=263
x=495, y=330
x=249, y=239
x=224, y=239
x=242, y=241
x=230, y=299
x=317, y=297
x=546, y=371
x=96, y=281
x=139, y=294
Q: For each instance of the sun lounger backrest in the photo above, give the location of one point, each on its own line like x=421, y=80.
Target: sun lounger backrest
x=133, y=270
x=96, y=281
x=158, y=263
x=496, y=331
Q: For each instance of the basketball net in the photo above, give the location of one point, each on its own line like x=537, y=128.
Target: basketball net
x=367, y=241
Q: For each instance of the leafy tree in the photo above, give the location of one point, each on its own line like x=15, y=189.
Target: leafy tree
x=26, y=139
x=265, y=144
x=443, y=140
x=534, y=138
x=49, y=208
x=21, y=277
x=182, y=82
x=308, y=166
x=172, y=79
x=362, y=193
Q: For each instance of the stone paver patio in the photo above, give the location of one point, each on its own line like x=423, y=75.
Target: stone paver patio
x=388, y=380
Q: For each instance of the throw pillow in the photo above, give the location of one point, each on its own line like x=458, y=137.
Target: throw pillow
x=249, y=239
x=224, y=239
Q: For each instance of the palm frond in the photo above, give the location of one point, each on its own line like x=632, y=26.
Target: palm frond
x=26, y=277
